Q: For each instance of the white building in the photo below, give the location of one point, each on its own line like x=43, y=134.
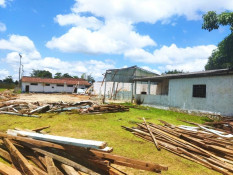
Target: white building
x=51, y=85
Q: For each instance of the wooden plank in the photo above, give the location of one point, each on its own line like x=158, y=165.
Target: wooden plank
x=5, y=155
x=40, y=128
x=23, y=115
x=62, y=140
x=69, y=170
x=7, y=170
x=65, y=161
x=152, y=135
x=50, y=166
x=24, y=164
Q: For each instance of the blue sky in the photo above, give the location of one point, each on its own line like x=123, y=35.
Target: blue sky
x=89, y=36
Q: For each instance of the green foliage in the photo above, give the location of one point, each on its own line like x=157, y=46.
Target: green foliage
x=8, y=80
x=41, y=73
x=58, y=75
x=222, y=57
x=90, y=79
x=213, y=21
x=66, y=75
x=173, y=72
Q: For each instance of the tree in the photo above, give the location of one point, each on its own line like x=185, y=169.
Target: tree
x=58, y=75
x=90, y=79
x=173, y=72
x=222, y=57
x=66, y=75
x=75, y=76
x=84, y=76
x=8, y=80
x=41, y=73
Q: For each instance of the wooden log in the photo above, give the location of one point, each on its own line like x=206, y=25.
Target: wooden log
x=65, y=161
x=152, y=135
x=5, y=155
x=23, y=115
x=40, y=128
x=50, y=166
x=40, y=109
x=7, y=170
x=24, y=164
x=69, y=170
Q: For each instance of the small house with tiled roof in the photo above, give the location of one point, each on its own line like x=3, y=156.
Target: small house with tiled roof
x=52, y=85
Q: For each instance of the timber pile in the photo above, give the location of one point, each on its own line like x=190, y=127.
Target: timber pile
x=108, y=108
x=83, y=107
x=7, y=95
x=206, y=146
x=41, y=154
x=226, y=124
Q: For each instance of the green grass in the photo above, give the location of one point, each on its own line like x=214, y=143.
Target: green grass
x=107, y=127
x=2, y=90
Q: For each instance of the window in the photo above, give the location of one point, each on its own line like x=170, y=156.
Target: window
x=60, y=85
x=199, y=91
x=34, y=84
x=47, y=84
x=70, y=85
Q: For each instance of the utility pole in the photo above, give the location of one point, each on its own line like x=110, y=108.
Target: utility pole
x=20, y=57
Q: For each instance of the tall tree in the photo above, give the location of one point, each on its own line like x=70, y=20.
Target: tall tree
x=66, y=75
x=222, y=57
x=90, y=79
x=58, y=75
x=41, y=73
x=84, y=76
x=8, y=80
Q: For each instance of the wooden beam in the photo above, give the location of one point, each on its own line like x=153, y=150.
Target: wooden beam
x=152, y=135
x=50, y=166
x=69, y=170
x=7, y=170
x=24, y=164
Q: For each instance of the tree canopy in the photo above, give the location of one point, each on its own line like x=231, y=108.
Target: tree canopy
x=222, y=57
x=173, y=72
x=41, y=73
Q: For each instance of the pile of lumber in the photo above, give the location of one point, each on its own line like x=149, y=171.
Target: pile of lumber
x=83, y=107
x=226, y=125
x=7, y=95
x=108, y=108
x=33, y=153
x=201, y=144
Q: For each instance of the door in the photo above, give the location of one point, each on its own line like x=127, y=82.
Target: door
x=27, y=88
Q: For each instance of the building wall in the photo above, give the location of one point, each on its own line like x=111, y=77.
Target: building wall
x=219, y=94
x=52, y=88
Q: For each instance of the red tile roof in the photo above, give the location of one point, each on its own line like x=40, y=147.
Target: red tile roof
x=69, y=81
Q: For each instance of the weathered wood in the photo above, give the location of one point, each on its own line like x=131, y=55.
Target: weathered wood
x=40, y=128
x=24, y=164
x=7, y=170
x=23, y=115
x=152, y=135
x=69, y=170
x=39, y=109
x=5, y=155
x=50, y=166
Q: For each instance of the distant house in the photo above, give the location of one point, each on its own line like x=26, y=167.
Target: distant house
x=206, y=91
x=51, y=85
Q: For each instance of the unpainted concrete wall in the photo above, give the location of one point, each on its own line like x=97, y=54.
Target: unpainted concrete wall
x=219, y=94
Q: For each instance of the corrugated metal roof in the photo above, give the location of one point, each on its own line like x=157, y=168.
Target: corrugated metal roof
x=188, y=75
x=69, y=81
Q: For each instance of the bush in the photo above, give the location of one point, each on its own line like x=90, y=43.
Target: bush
x=139, y=101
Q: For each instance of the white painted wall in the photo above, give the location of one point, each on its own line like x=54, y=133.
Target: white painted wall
x=219, y=95
x=52, y=88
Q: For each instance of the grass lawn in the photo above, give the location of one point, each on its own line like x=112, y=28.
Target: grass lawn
x=2, y=90
x=107, y=127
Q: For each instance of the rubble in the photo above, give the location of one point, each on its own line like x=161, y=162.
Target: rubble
x=204, y=145
x=47, y=154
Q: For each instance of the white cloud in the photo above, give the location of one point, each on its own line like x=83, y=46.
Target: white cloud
x=3, y=74
x=152, y=70
x=31, y=59
x=2, y=3
x=81, y=21
x=173, y=57
x=150, y=10
x=2, y=27
x=113, y=38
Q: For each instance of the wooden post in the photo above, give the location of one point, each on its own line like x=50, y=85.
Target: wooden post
x=104, y=90
x=132, y=92
x=149, y=83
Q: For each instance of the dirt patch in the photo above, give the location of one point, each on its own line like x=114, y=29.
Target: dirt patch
x=49, y=98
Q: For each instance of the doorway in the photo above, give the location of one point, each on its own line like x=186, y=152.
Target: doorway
x=27, y=88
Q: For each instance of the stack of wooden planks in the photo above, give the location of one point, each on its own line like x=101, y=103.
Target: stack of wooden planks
x=226, y=124
x=33, y=153
x=107, y=108
x=201, y=144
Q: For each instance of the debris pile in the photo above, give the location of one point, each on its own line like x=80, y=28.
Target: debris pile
x=83, y=107
x=37, y=153
x=226, y=124
x=200, y=144
x=7, y=95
